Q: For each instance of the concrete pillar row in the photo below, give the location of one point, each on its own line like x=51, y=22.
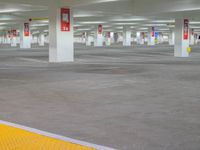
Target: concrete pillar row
x=61, y=34
x=181, y=38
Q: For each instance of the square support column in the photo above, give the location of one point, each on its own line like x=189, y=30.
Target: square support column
x=108, y=38
x=89, y=39
x=25, y=36
x=192, y=37
x=151, y=36
x=181, y=38
x=41, y=39
x=99, y=38
x=126, y=36
x=61, y=34
x=172, y=37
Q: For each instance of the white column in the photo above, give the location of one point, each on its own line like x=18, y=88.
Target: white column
x=98, y=41
x=126, y=36
x=181, y=38
x=112, y=37
x=196, y=38
x=108, y=38
x=41, y=39
x=14, y=42
x=83, y=37
x=172, y=37
x=25, y=36
x=160, y=38
x=151, y=36
x=192, y=38
x=61, y=41
x=89, y=39
x=140, y=38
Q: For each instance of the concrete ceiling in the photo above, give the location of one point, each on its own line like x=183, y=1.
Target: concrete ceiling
x=113, y=14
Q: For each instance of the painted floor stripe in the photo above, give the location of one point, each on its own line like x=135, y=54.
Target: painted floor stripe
x=54, y=136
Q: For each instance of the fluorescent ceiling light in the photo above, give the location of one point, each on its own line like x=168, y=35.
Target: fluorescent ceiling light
x=125, y=23
x=39, y=25
x=1, y=23
x=163, y=21
x=195, y=27
x=8, y=10
x=154, y=25
x=129, y=19
x=194, y=22
x=92, y=22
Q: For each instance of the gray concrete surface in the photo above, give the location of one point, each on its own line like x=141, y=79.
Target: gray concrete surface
x=127, y=98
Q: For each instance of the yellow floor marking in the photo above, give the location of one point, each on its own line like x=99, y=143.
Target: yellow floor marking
x=12, y=138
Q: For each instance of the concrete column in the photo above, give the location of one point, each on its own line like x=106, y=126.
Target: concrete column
x=41, y=39
x=140, y=38
x=196, y=38
x=61, y=39
x=112, y=37
x=25, y=36
x=46, y=39
x=116, y=37
x=181, y=38
x=8, y=41
x=192, y=37
x=98, y=38
x=14, y=42
x=89, y=39
x=172, y=37
x=151, y=36
x=108, y=38
x=126, y=36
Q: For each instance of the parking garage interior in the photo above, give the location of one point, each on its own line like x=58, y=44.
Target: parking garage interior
x=99, y=74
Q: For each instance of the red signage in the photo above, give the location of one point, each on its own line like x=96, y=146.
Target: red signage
x=65, y=19
x=186, y=29
x=100, y=29
x=153, y=31
x=26, y=29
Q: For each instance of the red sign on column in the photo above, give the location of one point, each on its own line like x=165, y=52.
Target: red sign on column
x=100, y=29
x=186, y=29
x=65, y=19
x=26, y=29
x=153, y=31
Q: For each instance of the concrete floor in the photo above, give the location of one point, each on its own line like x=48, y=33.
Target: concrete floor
x=126, y=98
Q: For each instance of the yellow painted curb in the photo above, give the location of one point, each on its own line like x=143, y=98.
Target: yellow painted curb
x=12, y=138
